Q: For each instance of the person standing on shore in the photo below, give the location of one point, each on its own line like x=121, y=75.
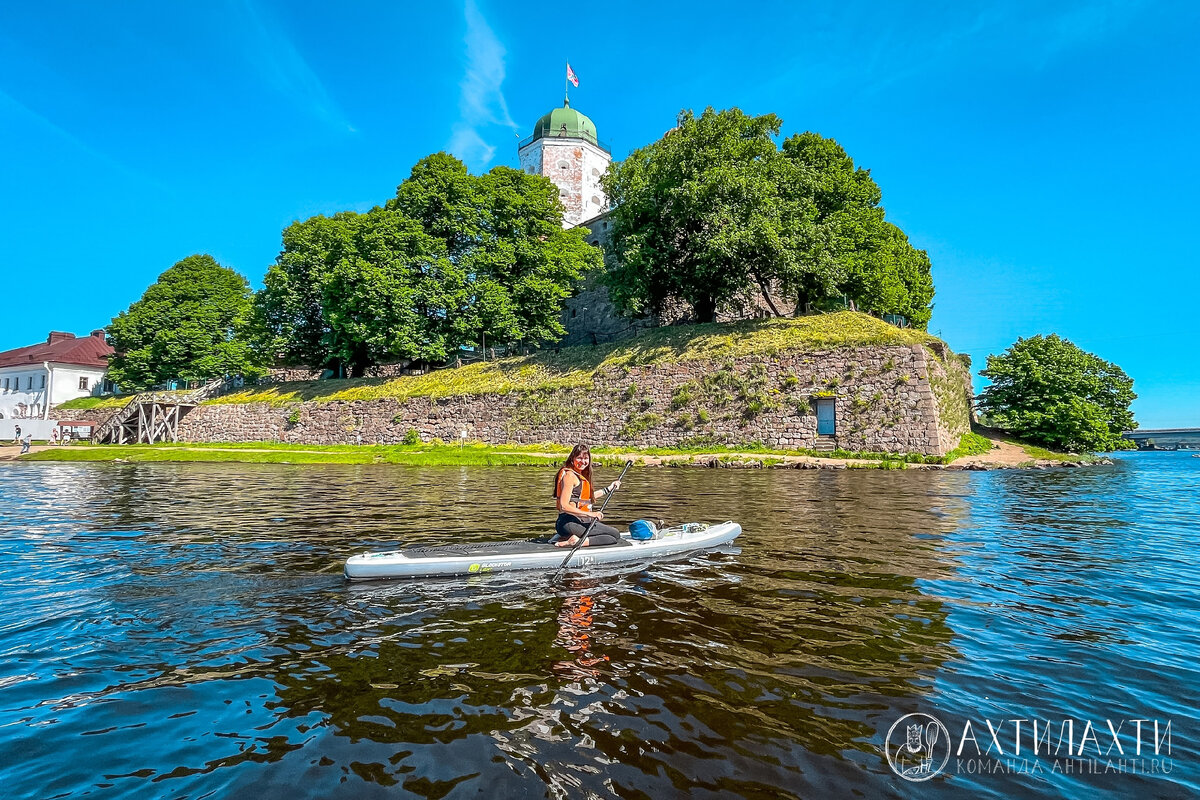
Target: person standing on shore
x=26, y=441
x=17, y=436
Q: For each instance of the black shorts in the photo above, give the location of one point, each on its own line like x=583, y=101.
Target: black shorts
x=569, y=525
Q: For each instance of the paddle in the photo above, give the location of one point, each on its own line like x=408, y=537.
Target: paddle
x=588, y=529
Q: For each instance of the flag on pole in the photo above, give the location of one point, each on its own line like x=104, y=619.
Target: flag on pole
x=571, y=76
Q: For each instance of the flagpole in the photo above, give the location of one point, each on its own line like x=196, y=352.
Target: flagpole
x=566, y=84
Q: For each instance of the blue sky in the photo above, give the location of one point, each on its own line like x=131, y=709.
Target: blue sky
x=1044, y=154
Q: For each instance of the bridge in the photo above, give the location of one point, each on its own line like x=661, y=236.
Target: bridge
x=1165, y=438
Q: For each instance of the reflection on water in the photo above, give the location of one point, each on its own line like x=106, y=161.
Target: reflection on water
x=184, y=631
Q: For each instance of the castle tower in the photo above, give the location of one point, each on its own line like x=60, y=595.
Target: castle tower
x=565, y=149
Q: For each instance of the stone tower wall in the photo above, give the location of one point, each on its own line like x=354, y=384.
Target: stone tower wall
x=578, y=182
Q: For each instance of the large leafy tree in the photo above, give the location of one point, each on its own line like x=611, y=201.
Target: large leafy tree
x=1050, y=392
x=850, y=249
x=193, y=323
x=453, y=259
x=715, y=213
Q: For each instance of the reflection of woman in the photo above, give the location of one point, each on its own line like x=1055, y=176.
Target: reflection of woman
x=573, y=491
x=575, y=635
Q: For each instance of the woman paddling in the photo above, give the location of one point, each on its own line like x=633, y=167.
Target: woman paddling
x=573, y=491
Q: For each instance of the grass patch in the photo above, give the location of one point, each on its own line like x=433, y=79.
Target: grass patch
x=971, y=444
x=85, y=403
x=445, y=455
x=1033, y=451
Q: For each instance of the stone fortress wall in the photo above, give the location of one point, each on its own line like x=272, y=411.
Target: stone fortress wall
x=901, y=399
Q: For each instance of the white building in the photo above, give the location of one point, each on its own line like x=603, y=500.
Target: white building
x=33, y=379
x=564, y=148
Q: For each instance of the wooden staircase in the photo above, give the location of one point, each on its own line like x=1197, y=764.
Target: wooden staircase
x=152, y=417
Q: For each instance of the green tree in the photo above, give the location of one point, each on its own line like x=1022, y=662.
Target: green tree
x=453, y=259
x=850, y=248
x=715, y=213
x=193, y=323
x=698, y=216
x=1050, y=392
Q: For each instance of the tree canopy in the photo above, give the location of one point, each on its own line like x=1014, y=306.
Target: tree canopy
x=452, y=259
x=1050, y=392
x=715, y=213
x=193, y=323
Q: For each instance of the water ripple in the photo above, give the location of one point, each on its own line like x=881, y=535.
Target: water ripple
x=182, y=630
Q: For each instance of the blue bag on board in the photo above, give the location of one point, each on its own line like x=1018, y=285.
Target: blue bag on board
x=642, y=529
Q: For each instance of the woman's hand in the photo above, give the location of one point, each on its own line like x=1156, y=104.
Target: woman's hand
x=599, y=515
x=612, y=487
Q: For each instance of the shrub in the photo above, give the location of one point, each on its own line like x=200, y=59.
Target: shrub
x=412, y=436
x=681, y=398
x=1050, y=392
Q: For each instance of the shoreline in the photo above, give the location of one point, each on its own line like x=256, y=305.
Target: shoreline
x=1004, y=455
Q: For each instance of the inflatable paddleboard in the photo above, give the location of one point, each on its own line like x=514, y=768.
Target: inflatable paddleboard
x=474, y=559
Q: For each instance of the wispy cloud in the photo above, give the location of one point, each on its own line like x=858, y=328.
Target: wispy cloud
x=285, y=68
x=899, y=46
x=48, y=130
x=481, y=104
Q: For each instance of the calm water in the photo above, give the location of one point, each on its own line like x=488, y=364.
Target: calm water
x=183, y=631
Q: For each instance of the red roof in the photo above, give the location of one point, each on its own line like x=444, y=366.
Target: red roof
x=61, y=348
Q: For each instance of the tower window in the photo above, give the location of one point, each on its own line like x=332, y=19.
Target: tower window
x=596, y=172
x=564, y=165
x=595, y=200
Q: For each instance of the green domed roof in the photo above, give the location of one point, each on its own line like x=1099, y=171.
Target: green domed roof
x=565, y=121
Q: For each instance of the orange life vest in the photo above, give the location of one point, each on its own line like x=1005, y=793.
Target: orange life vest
x=581, y=495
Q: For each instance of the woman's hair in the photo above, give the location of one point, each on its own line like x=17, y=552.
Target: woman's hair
x=577, y=450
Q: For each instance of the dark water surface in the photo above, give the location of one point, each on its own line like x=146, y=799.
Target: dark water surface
x=183, y=631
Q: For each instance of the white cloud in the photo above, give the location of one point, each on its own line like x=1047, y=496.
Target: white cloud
x=481, y=103
x=285, y=68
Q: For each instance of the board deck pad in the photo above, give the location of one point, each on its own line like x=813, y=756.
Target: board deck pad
x=491, y=549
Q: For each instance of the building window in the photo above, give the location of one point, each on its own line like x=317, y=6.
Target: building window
x=6, y=384
x=43, y=381
x=605, y=224
x=30, y=386
x=83, y=384
x=595, y=242
x=596, y=172
x=596, y=201
x=564, y=165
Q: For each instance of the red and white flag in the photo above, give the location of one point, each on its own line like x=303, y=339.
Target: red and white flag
x=571, y=76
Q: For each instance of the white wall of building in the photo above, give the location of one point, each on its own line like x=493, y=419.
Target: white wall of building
x=39, y=428
x=23, y=389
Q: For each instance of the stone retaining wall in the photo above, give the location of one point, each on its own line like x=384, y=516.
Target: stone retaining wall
x=890, y=399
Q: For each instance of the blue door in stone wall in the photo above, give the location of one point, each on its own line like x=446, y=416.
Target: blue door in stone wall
x=825, y=423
